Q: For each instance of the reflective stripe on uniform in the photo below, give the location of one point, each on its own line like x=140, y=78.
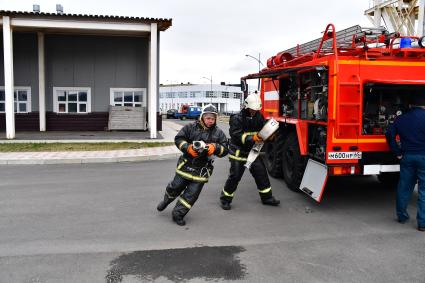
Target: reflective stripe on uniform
x=221, y=150
x=265, y=191
x=181, y=164
x=185, y=203
x=237, y=158
x=182, y=144
x=247, y=134
x=227, y=194
x=191, y=177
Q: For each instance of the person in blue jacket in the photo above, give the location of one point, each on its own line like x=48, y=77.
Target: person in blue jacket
x=411, y=152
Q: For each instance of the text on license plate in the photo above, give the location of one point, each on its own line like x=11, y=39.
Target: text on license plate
x=345, y=155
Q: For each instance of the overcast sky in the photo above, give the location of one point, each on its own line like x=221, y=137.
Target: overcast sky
x=211, y=37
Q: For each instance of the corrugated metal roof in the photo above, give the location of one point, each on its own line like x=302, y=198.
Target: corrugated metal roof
x=163, y=24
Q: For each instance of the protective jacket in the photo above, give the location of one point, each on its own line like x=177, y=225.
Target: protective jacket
x=199, y=168
x=242, y=129
x=411, y=129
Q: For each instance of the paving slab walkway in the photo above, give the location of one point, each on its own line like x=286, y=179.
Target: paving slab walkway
x=170, y=129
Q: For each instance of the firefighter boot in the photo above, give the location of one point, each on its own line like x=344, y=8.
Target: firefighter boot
x=179, y=220
x=225, y=205
x=271, y=201
x=163, y=204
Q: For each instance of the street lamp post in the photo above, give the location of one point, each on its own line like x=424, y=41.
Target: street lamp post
x=259, y=65
x=210, y=79
x=172, y=94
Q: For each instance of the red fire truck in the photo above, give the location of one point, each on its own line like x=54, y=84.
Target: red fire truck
x=334, y=98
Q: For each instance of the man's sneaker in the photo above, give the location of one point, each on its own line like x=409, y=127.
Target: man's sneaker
x=271, y=201
x=225, y=205
x=179, y=220
x=402, y=221
x=162, y=205
x=422, y=229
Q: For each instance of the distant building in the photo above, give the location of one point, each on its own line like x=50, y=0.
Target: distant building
x=227, y=99
x=63, y=71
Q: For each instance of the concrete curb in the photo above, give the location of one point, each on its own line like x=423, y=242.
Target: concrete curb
x=87, y=157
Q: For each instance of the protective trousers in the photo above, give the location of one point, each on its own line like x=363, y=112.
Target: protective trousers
x=258, y=171
x=187, y=190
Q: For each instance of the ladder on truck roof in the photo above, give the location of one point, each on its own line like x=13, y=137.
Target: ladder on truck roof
x=344, y=40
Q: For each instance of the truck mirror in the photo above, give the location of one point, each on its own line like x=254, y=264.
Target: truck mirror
x=243, y=86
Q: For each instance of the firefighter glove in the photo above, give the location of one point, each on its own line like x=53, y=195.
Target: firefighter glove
x=256, y=138
x=191, y=151
x=211, y=149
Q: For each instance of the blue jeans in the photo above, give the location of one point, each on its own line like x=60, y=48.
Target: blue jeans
x=412, y=170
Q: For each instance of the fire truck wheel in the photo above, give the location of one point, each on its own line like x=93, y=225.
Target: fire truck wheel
x=389, y=180
x=273, y=157
x=293, y=164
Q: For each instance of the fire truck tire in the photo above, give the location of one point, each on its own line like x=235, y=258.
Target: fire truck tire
x=273, y=157
x=293, y=164
x=389, y=180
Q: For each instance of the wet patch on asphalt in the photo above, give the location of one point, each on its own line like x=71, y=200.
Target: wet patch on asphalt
x=179, y=265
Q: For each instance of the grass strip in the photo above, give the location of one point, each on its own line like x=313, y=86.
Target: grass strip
x=27, y=147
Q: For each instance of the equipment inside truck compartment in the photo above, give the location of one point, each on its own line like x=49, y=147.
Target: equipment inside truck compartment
x=382, y=103
x=311, y=87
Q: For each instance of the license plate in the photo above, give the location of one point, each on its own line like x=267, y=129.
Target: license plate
x=345, y=155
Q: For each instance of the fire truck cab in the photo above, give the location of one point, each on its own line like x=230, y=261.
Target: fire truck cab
x=334, y=98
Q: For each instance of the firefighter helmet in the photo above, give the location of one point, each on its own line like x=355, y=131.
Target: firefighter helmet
x=253, y=101
x=209, y=108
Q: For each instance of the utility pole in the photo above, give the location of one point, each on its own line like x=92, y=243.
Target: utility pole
x=259, y=65
x=210, y=79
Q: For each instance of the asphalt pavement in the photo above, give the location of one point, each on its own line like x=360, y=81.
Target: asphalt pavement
x=98, y=223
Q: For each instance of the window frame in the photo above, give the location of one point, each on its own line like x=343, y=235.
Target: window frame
x=112, y=90
x=28, y=102
x=77, y=89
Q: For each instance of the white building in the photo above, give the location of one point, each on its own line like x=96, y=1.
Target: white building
x=227, y=99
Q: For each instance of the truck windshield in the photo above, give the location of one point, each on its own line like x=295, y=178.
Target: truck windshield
x=382, y=103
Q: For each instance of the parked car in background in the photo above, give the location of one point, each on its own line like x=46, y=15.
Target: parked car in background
x=171, y=113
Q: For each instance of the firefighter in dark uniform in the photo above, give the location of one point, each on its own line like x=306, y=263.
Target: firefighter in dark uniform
x=244, y=127
x=195, y=166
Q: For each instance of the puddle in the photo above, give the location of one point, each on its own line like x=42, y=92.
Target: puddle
x=179, y=265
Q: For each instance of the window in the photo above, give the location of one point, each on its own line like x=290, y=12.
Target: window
x=72, y=99
x=170, y=95
x=225, y=94
x=195, y=94
x=182, y=94
x=21, y=97
x=236, y=95
x=133, y=97
x=211, y=94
